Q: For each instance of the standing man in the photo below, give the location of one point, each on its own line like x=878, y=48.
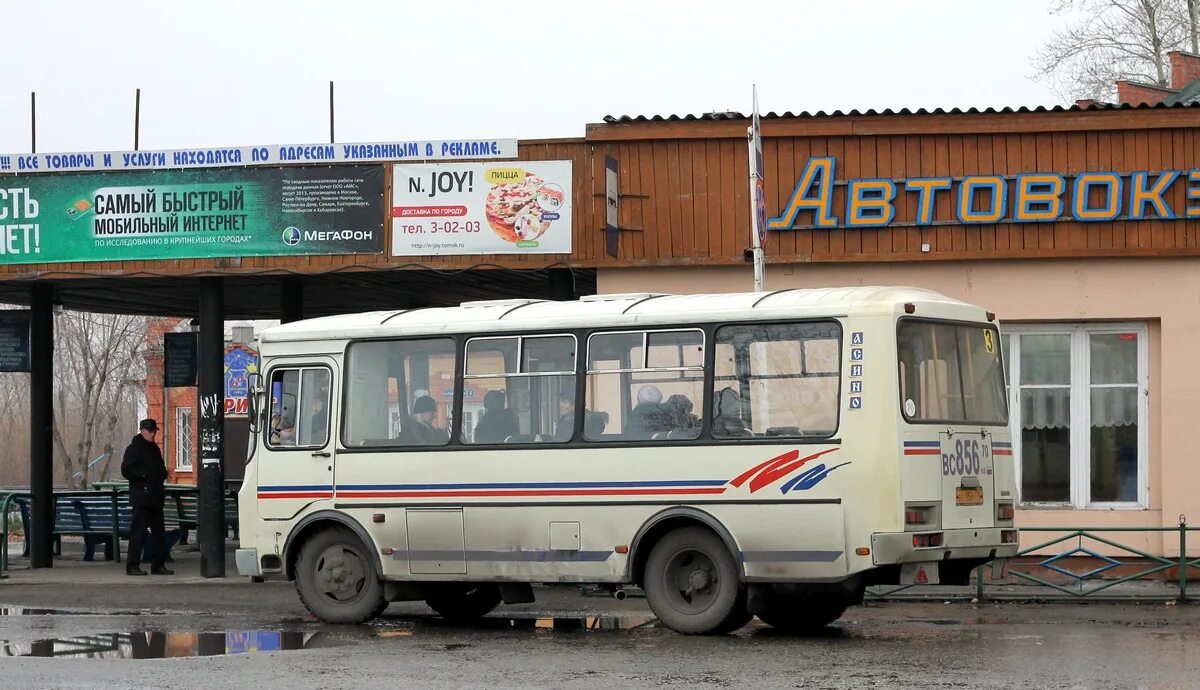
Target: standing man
x=143, y=466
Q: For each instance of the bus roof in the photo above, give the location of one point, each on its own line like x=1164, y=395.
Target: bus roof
x=607, y=310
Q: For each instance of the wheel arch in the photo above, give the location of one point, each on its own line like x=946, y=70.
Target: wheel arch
x=668, y=520
x=311, y=524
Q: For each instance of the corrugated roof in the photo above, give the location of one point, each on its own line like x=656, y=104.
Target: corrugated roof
x=615, y=119
x=1188, y=95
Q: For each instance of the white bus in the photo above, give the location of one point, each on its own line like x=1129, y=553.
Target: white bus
x=734, y=454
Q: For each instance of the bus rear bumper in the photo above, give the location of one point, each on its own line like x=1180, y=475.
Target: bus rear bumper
x=888, y=548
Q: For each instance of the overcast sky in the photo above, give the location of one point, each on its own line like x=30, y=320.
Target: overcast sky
x=256, y=72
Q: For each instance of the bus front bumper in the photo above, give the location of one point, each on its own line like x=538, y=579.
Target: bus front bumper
x=888, y=548
x=247, y=562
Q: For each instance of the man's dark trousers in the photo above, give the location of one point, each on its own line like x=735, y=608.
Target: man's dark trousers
x=143, y=517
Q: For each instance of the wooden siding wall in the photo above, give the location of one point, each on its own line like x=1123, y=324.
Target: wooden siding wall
x=686, y=193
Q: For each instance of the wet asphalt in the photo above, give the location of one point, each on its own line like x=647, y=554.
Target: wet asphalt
x=227, y=635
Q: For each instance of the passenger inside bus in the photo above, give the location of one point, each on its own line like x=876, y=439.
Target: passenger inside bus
x=420, y=430
x=497, y=422
x=647, y=415
x=564, y=428
x=727, y=414
x=683, y=424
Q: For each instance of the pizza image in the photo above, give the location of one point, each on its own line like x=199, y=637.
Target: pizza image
x=513, y=210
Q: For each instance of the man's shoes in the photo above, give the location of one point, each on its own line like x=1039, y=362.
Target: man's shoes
x=134, y=571
x=160, y=570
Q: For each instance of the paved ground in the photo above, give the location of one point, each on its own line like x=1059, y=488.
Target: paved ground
x=564, y=640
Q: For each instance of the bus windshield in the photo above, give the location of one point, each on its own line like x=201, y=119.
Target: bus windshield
x=951, y=373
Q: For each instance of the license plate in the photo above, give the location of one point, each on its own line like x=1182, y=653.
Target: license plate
x=964, y=455
x=968, y=496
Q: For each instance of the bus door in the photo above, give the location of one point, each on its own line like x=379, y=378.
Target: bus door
x=296, y=466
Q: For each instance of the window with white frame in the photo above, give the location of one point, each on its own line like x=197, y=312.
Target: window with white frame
x=183, y=439
x=1078, y=401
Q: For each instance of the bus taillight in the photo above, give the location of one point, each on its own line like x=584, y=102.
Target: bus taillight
x=925, y=541
x=1005, y=512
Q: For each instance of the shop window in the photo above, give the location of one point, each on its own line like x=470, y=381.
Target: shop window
x=183, y=439
x=776, y=380
x=1079, y=413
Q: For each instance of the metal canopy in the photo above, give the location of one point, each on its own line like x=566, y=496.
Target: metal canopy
x=259, y=296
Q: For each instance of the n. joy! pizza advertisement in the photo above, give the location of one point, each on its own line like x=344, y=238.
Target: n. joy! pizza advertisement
x=514, y=207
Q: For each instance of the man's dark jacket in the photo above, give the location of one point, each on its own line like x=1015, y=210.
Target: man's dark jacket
x=143, y=466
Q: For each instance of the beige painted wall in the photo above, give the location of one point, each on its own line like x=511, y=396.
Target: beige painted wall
x=1164, y=293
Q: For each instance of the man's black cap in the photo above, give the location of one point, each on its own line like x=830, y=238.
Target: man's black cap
x=148, y=424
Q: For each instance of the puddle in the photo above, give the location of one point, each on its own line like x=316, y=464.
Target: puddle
x=22, y=611
x=170, y=645
x=545, y=624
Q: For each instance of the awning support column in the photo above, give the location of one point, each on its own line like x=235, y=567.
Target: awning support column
x=41, y=426
x=210, y=532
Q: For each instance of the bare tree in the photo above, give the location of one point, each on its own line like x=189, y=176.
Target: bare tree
x=1193, y=21
x=99, y=370
x=1110, y=40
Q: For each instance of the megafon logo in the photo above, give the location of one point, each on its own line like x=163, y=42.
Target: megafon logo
x=291, y=236
x=778, y=467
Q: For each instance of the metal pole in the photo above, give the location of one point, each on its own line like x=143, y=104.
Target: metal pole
x=756, y=246
x=41, y=423
x=979, y=583
x=331, y=139
x=210, y=531
x=33, y=122
x=1183, y=561
x=137, y=118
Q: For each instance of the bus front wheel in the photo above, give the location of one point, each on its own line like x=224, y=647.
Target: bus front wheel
x=336, y=579
x=461, y=603
x=692, y=584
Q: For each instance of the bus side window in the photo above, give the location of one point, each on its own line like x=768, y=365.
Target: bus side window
x=527, y=388
x=399, y=393
x=299, y=412
x=643, y=386
x=777, y=380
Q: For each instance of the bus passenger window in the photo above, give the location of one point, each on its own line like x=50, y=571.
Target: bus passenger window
x=642, y=386
x=521, y=389
x=399, y=393
x=777, y=380
x=299, y=413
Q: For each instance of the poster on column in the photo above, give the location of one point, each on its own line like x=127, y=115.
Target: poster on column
x=182, y=214
x=519, y=207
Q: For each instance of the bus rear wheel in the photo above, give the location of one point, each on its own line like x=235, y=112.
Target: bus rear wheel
x=802, y=616
x=336, y=579
x=464, y=602
x=692, y=584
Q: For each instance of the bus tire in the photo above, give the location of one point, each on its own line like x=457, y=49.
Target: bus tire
x=336, y=579
x=464, y=602
x=802, y=616
x=692, y=584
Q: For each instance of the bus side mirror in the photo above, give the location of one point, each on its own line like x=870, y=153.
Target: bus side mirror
x=255, y=395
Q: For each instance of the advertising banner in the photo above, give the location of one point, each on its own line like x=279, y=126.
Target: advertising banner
x=240, y=363
x=521, y=207
x=191, y=214
x=179, y=359
x=237, y=156
x=14, y=340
